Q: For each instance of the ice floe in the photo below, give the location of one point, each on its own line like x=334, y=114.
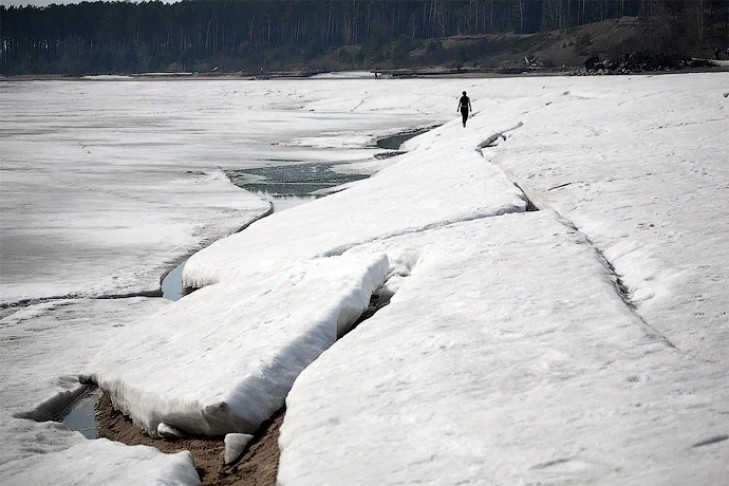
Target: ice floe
x=224, y=358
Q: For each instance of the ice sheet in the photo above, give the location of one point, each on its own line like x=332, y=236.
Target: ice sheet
x=505, y=357
x=103, y=462
x=86, y=229
x=641, y=166
x=122, y=180
x=53, y=342
x=510, y=351
x=105, y=186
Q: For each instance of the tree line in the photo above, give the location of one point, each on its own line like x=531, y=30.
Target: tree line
x=105, y=37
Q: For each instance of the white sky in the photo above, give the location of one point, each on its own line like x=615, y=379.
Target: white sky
x=40, y=3
x=43, y=3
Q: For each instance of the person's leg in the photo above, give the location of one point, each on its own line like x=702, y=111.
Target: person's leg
x=464, y=114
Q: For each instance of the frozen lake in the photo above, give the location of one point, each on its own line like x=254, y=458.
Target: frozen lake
x=583, y=342
x=106, y=184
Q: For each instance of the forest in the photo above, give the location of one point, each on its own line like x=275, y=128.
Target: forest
x=263, y=35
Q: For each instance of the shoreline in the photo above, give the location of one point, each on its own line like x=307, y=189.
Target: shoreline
x=204, y=245
x=384, y=75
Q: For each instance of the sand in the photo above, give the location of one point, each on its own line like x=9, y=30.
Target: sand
x=257, y=467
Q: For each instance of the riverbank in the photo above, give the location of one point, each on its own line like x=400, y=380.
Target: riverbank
x=682, y=66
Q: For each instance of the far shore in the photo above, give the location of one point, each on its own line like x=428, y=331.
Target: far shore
x=385, y=74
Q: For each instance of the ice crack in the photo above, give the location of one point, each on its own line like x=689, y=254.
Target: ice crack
x=620, y=288
x=506, y=209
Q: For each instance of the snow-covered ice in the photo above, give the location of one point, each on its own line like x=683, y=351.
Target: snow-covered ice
x=105, y=185
x=45, y=348
x=253, y=297
x=53, y=342
x=223, y=358
x=235, y=444
x=583, y=343
x=344, y=75
x=510, y=354
x=419, y=192
x=645, y=174
x=506, y=357
x=102, y=462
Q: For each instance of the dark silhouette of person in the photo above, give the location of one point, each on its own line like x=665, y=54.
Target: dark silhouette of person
x=464, y=105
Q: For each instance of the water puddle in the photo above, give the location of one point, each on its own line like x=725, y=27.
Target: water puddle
x=81, y=415
x=286, y=181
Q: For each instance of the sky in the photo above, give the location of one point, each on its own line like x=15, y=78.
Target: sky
x=41, y=3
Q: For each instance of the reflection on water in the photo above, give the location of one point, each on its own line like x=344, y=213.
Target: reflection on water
x=297, y=180
x=82, y=414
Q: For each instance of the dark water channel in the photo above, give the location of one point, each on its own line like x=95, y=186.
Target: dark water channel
x=393, y=142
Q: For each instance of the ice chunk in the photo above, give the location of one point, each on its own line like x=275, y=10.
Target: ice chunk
x=164, y=430
x=235, y=444
x=223, y=358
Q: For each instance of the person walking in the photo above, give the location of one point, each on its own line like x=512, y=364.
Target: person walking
x=464, y=105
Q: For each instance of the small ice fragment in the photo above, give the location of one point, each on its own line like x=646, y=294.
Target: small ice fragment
x=234, y=446
x=168, y=431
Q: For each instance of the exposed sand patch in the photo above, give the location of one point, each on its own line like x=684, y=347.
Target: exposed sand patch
x=257, y=467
